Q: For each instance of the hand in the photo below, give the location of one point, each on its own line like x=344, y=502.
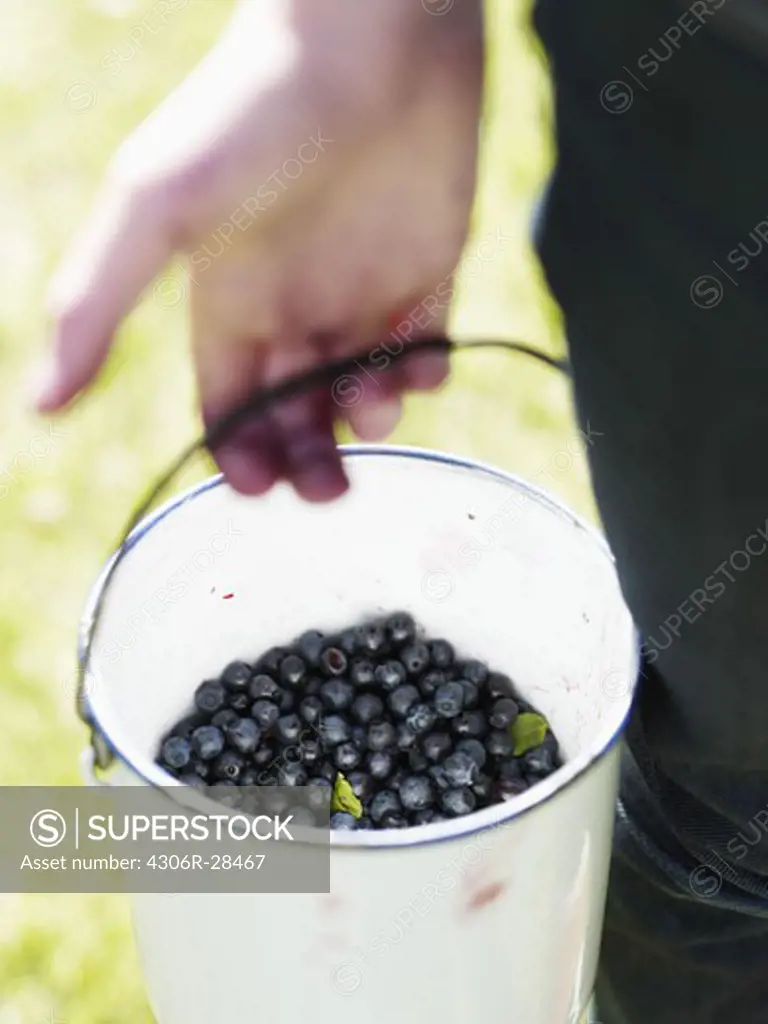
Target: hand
x=318, y=170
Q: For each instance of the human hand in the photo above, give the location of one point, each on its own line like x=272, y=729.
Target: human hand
x=377, y=105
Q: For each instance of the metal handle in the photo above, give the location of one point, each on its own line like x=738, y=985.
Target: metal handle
x=101, y=755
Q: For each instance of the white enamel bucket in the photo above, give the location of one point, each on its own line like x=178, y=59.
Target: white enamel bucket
x=493, y=917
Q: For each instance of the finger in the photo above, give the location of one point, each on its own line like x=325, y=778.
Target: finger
x=425, y=318
x=122, y=248
x=368, y=398
x=311, y=458
x=375, y=419
x=228, y=371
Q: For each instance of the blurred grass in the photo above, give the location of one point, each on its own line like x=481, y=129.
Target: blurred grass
x=71, y=958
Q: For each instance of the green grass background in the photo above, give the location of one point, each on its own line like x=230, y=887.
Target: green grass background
x=70, y=958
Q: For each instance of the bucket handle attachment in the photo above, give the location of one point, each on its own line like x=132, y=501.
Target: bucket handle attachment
x=100, y=755
x=88, y=768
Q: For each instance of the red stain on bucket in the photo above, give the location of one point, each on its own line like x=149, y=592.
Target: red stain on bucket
x=487, y=894
x=227, y=597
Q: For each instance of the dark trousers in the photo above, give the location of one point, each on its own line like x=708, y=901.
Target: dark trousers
x=655, y=244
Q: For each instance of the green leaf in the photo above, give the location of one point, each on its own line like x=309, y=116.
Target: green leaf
x=528, y=731
x=344, y=798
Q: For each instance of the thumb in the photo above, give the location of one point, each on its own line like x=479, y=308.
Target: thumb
x=124, y=245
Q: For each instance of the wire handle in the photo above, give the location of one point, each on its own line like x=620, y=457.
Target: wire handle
x=256, y=403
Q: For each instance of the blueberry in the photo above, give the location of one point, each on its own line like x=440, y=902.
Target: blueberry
x=310, y=646
x=327, y=771
x=201, y=768
x=441, y=653
x=471, y=723
x=264, y=687
x=539, y=761
x=310, y=710
x=449, y=700
x=359, y=735
x=276, y=801
x=550, y=742
x=319, y=793
x=244, y=735
x=250, y=777
x=371, y=638
x=499, y=743
x=347, y=756
x=236, y=676
x=288, y=728
x=228, y=766
x=343, y=822
x=364, y=824
x=361, y=784
x=337, y=694
x=239, y=702
x=303, y=816
x=475, y=671
x=348, y=641
x=405, y=737
x=415, y=657
x=482, y=787
x=385, y=802
x=471, y=694
x=509, y=768
x=287, y=702
x=311, y=752
x=226, y=792
x=400, y=627
x=188, y=724
x=502, y=713
x=292, y=774
x=416, y=793
x=293, y=671
x=460, y=770
x=436, y=746
x=177, y=752
x=394, y=821
x=506, y=789
x=390, y=675
x=402, y=700
x=421, y=718
x=334, y=730
x=333, y=661
x=224, y=718
x=427, y=816
x=381, y=736
x=431, y=680
x=367, y=707
x=458, y=801
x=207, y=742
x=312, y=686
x=417, y=762
x=362, y=672
x=475, y=749
x=395, y=779
x=270, y=661
x=436, y=773
x=210, y=697
x=499, y=685
x=192, y=779
x=265, y=755
x=265, y=713
x=380, y=764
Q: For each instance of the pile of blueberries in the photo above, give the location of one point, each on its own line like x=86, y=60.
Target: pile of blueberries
x=415, y=732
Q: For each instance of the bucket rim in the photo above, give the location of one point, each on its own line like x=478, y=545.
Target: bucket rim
x=574, y=770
